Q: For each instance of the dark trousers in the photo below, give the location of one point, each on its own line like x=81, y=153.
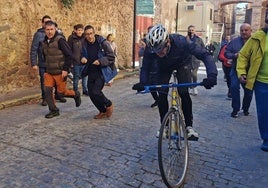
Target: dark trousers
x=95, y=85
x=227, y=71
x=154, y=95
x=183, y=76
x=235, y=92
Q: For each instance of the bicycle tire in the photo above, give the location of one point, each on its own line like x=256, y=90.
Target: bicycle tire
x=173, y=150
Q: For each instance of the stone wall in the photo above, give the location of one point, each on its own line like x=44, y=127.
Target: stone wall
x=20, y=19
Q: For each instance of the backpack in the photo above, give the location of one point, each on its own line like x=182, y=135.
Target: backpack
x=222, y=58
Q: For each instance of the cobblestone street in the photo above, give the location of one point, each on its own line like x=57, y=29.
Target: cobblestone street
x=75, y=150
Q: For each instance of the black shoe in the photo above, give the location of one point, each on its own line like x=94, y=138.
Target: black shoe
x=60, y=99
x=246, y=113
x=85, y=93
x=44, y=102
x=264, y=146
x=77, y=99
x=229, y=95
x=154, y=104
x=234, y=114
x=52, y=114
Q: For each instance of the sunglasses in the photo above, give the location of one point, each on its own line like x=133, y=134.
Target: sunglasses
x=159, y=48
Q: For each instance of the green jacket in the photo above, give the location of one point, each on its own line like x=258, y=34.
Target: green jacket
x=250, y=57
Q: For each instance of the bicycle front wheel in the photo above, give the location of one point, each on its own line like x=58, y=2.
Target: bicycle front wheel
x=173, y=149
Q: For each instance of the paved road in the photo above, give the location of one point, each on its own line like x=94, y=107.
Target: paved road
x=74, y=150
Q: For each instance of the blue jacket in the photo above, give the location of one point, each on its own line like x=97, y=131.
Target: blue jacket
x=36, y=53
x=232, y=48
x=179, y=55
x=149, y=73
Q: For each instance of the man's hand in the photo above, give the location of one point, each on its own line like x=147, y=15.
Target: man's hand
x=84, y=60
x=35, y=70
x=96, y=62
x=138, y=86
x=209, y=82
x=64, y=75
x=243, y=79
x=35, y=67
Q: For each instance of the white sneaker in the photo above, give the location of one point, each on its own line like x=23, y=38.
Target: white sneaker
x=191, y=91
x=157, y=134
x=195, y=92
x=191, y=134
x=70, y=75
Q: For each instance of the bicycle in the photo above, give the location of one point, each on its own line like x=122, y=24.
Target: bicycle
x=173, y=150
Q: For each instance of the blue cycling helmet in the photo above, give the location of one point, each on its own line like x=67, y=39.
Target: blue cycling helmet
x=157, y=38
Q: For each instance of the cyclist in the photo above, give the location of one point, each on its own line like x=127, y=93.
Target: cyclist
x=173, y=52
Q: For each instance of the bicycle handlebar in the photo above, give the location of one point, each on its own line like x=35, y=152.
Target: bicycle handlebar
x=147, y=89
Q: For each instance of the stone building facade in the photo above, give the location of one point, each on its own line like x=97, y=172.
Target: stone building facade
x=257, y=8
x=20, y=19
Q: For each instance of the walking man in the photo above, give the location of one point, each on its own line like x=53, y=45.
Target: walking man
x=37, y=58
x=58, y=59
x=97, y=53
x=231, y=52
x=75, y=42
x=195, y=63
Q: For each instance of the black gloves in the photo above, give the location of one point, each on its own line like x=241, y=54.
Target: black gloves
x=209, y=82
x=138, y=86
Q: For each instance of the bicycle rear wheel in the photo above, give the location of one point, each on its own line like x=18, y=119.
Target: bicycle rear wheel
x=173, y=149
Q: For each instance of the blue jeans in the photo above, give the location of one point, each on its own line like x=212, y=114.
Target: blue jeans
x=235, y=92
x=76, y=73
x=261, y=93
x=42, y=71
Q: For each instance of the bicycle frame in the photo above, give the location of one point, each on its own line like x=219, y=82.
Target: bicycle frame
x=172, y=140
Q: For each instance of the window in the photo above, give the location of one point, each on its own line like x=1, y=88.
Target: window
x=190, y=7
x=210, y=14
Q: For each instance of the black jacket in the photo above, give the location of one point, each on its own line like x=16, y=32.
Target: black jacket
x=179, y=54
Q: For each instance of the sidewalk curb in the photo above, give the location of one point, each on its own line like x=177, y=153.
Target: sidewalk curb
x=26, y=99
x=20, y=101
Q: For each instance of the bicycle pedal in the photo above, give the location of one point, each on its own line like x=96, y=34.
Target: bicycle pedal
x=193, y=138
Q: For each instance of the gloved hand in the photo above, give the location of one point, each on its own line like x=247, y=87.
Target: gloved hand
x=209, y=82
x=138, y=86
